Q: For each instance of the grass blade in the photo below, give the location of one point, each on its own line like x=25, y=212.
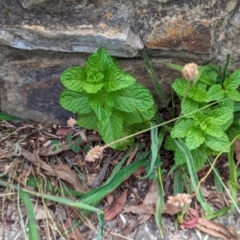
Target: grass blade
x=33, y=230
x=156, y=142
x=157, y=86
x=97, y=194
x=193, y=176
x=160, y=202
x=177, y=182
x=7, y=117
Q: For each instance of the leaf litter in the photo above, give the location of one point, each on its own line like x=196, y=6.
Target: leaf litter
x=26, y=150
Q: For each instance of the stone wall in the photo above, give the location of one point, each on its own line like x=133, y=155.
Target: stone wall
x=39, y=39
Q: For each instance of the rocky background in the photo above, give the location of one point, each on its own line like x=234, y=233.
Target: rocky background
x=39, y=39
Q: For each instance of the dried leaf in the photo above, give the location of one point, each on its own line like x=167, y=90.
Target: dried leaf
x=75, y=234
x=149, y=203
x=216, y=230
x=116, y=208
x=61, y=171
x=43, y=212
x=23, y=178
x=152, y=195
x=64, y=131
x=64, y=172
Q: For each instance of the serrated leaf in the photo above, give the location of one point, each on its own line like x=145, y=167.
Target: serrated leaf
x=208, y=75
x=169, y=144
x=102, y=105
x=111, y=129
x=234, y=95
x=117, y=79
x=87, y=120
x=92, y=87
x=221, y=144
x=214, y=130
x=180, y=86
x=229, y=103
x=94, y=77
x=194, y=138
x=132, y=99
x=179, y=157
x=216, y=92
x=99, y=61
x=188, y=106
x=233, y=81
x=74, y=78
x=198, y=93
x=180, y=130
x=139, y=117
x=76, y=102
x=200, y=157
x=221, y=115
x=126, y=142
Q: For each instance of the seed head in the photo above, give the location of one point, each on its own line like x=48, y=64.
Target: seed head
x=190, y=71
x=177, y=203
x=95, y=153
x=71, y=122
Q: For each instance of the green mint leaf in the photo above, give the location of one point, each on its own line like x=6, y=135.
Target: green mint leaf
x=233, y=81
x=180, y=86
x=133, y=98
x=198, y=93
x=102, y=104
x=214, y=130
x=189, y=106
x=74, y=78
x=179, y=157
x=199, y=118
x=127, y=142
x=99, y=61
x=92, y=87
x=169, y=144
x=229, y=103
x=208, y=75
x=216, y=92
x=221, y=115
x=87, y=120
x=221, y=144
x=234, y=95
x=194, y=138
x=180, y=130
x=200, y=156
x=139, y=117
x=93, y=77
x=117, y=79
x=76, y=102
x=111, y=128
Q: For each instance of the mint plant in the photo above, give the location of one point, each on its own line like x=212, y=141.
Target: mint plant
x=106, y=98
x=207, y=114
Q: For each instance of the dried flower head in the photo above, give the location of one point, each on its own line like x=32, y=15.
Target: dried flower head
x=71, y=122
x=190, y=71
x=96, y=153
x=177, y=203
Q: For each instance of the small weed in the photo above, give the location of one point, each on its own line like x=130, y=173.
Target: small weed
x=74, y=144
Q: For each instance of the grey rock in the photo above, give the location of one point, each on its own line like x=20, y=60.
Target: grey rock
x=85, y=38
x=40, y=39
